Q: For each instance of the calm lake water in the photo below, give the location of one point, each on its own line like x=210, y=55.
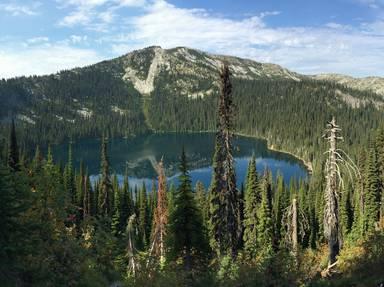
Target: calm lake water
x=139, y=155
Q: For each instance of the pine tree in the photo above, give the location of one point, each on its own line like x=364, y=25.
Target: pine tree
x=224, y=205
x=346, y=211
x=186, y=236
x=380, y=164
x=105, y=188
x=264, y=218
x=88, y=200
x=143, y=218
x=371, y=192
x=14, y=198
x=117, y=225
x=126, y=204
x=13, y=150
x=69, y=178
x=279, y=207
x=201, y=201
x=252, y=203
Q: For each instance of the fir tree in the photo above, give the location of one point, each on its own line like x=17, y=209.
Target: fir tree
x=252, y=202
x=69, y=178
x=143, y=218
x=126, y=204
x=346, y=211
x=265, y=223
x=105, y=188
x=371, y=192
x=224, y=205
x=13, y=150
x=201, y=201
x=186, y=236
x=281, y=202
x=117, y=224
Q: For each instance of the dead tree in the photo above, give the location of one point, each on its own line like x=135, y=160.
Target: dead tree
x=157, y=248
x=295, y=224
x=133, y=265
x=334, y=182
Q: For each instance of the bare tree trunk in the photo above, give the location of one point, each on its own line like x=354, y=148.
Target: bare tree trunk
x=132, y=265
x=331, y=212
x=294, y=227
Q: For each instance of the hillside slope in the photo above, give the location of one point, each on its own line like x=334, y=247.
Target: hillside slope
x=154, y=89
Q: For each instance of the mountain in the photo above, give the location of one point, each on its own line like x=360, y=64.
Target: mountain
x=374, y=84
x=155, y=89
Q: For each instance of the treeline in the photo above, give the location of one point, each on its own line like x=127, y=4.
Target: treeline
x=289, y=114
x=58, y=229
x=94, y=100
x=71, y=104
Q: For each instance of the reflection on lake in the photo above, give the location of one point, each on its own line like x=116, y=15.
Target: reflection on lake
x=140, y=154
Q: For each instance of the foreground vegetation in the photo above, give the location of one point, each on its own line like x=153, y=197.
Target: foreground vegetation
x=57, y=229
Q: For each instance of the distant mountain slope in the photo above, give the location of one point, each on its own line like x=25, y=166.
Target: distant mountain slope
x=374, y=84
x=155, y=89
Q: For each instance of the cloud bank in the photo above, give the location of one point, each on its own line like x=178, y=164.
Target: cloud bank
x=114, y=27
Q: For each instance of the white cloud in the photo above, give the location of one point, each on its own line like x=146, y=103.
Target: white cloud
x=37, y=40
x=44, y=59
x=329, y=48
x=76, y=39
x=131, y=3
x=15, y=9
x=77, y=17
x=94, y=14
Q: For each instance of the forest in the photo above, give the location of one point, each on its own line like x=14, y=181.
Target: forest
x=59, y=229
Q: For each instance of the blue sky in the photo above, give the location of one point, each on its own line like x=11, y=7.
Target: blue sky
x=339, y=36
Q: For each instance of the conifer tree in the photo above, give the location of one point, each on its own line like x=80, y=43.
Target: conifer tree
x=126, y=204
x=87, y=197
x=265, y=223
x=252, y=202
x=143, y=218
x=105, y=188
x=371, y=192
x=13, y=150
x=380, y=165
x=224, y=205
x=346, y=211
x=69, y=178
x=281, y=202
x=152, y=207
x=186, y=236
x=117, y=224
x=201, y=201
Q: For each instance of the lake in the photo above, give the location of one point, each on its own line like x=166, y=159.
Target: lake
x=139, y=155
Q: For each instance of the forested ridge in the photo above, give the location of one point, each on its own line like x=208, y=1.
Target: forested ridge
x=289, y=111
x=58, y=229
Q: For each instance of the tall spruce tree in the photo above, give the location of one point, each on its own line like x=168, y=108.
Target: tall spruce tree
x=265, y=223
x=143, y=218
x=252, y=200
x=224, y=205
x=105, y=187
x=371, y=192
x=13, y=149
x=201, y=200
x=69, y=178
x=186, y=236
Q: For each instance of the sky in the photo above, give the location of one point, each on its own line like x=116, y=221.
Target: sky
x=307, y=36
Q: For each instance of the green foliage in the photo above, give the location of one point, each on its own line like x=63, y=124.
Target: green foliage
x=186, y=236
x=251, y=206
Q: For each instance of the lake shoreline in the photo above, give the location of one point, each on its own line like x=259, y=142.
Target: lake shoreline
x=308, y=164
